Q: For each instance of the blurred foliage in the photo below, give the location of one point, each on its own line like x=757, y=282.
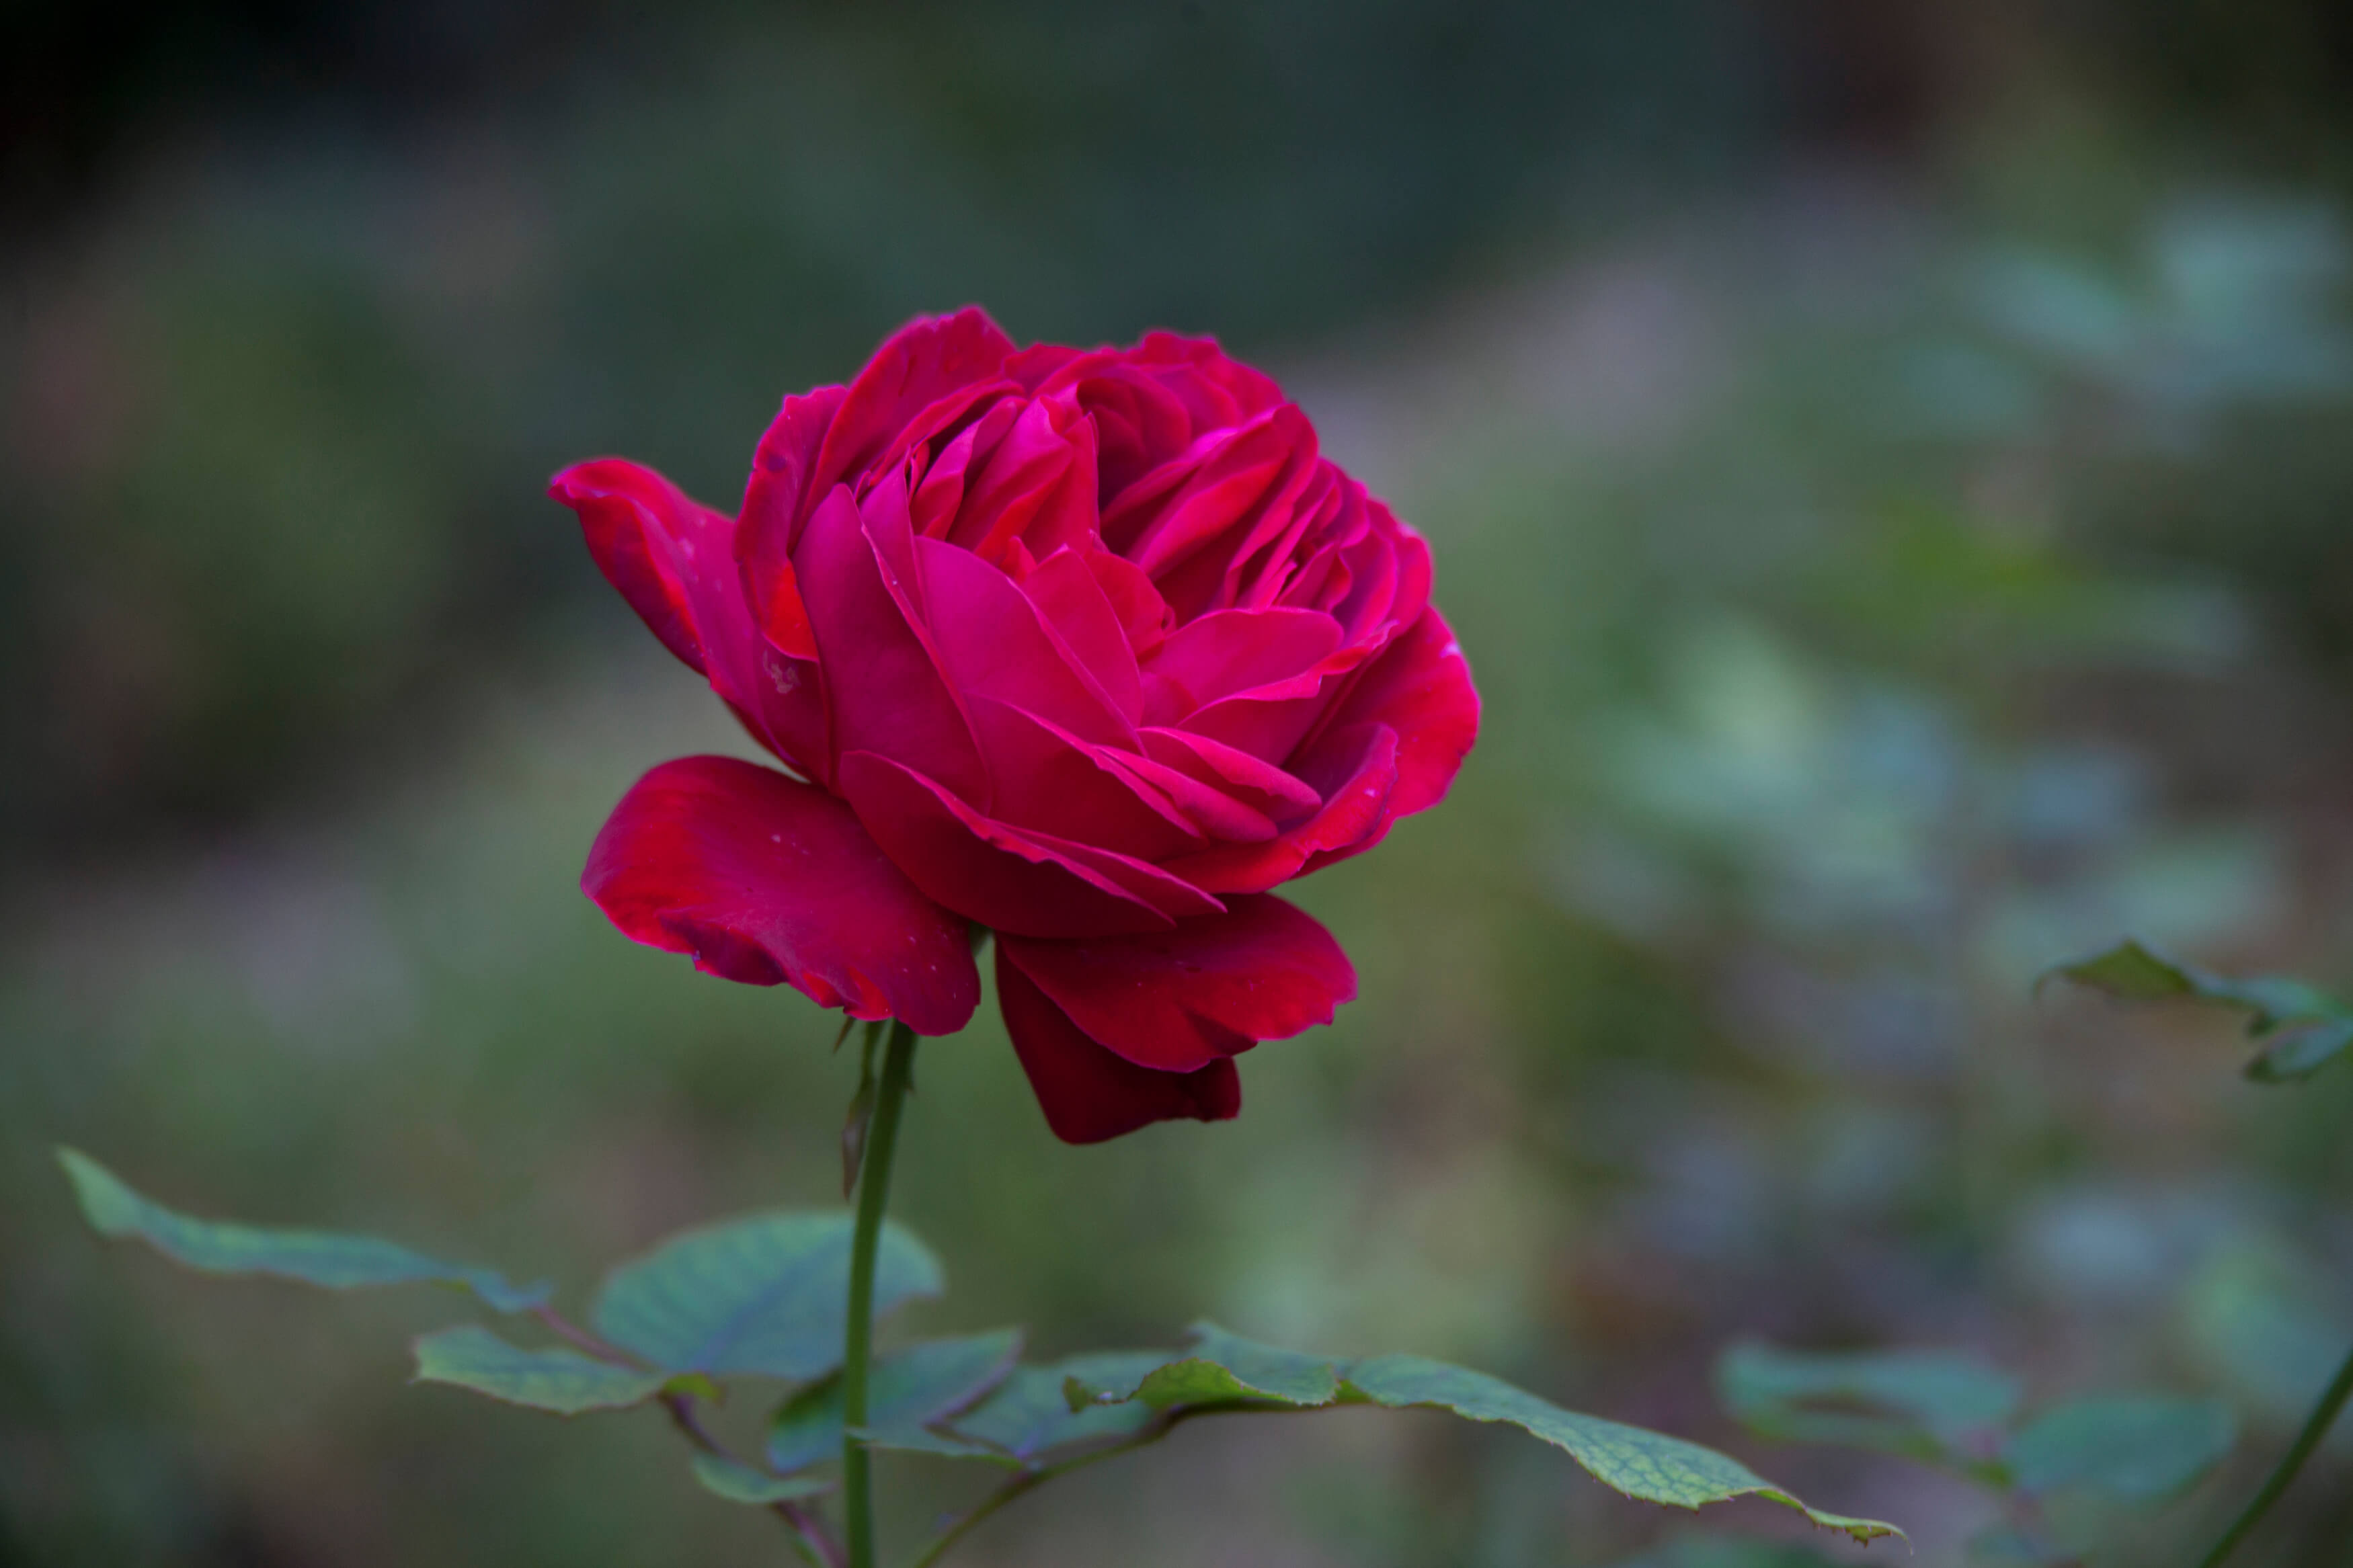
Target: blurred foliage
x=1889, y=475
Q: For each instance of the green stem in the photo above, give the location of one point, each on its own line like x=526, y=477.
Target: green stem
x=858, y=1340
x=1031, y=1480
x=2315, y=1426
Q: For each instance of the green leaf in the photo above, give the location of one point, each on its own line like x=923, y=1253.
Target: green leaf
x=1647, y=1465
x=1030, y=1416
x=905, y=1392
x=2139, y=1447
x=1221, y=1366
x=551, y=1378
x=739, y=1482
x=765, y=1294
x=2300, y=1049
x=1934, y=1406
x=314, y=1257
x=2132, y=971
x=1643, y=1465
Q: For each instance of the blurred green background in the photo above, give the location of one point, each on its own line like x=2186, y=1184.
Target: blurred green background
x=1891, y=466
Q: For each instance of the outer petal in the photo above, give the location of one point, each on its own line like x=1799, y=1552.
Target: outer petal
x=652, y=542
x=776, y=502
x=674, y=560
x=1178, y=1000
x=765, y=879
x=1087, y=1094
x=1420, y=687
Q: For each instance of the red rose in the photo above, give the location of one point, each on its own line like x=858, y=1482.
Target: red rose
x=1090, y=647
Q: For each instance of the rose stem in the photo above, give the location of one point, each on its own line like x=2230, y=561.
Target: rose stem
x=2316, y=1428
x=858, y=1340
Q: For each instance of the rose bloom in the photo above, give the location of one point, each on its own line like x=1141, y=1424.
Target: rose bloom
x=1091, y=647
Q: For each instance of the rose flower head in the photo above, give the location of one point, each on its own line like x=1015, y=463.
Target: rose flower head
x=1091, y=647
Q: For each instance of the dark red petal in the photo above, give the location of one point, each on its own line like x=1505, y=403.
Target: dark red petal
x=1045, y=779
x=674, y=560
x=1088, y=1094
x=1003, y=876
x=932, y=360
x=765, y=879
x=1176, y=1001
x=992, y=643
x=886, y=691
x=1356, y=769
x=1268, y=652
x=650, y=541
x=776, y=504
x=1420, y=687
x=1070, y=598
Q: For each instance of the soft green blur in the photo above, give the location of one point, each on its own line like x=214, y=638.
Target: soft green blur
x=1899, y=551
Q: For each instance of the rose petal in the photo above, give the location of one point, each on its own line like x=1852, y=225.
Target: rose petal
x=652, y=542
x=1022, y=881
x=673, y=560
x=1253, y=781
x=776, y=504
x=923, y=377
x=1045, y=779
x=1177, y=1000
x=1420, y=687
x=1069, y=599
x=992, y=643
x=1090, y=1095
x=1358, y=768
x=1230, y=651
x=765, y=879
x=886, y=692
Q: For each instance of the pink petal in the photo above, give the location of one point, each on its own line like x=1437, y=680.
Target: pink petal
x=765, y=879
x=1023, y=882
x=1088, y=1094
x=1176, y=1001
x=886, y=691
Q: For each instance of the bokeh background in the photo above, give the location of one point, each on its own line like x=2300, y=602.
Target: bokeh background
x=1891, y=465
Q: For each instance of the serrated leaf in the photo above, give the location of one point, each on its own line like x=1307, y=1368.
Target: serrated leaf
x=739, y=1482
x=765, y=1294
x=1934, y=1406
x=551, y=1378
x=2139, y=1447
x=326, y=1258
x=1221, y=1366
x=2300, y=1049
x=1650, y=1466
x=1030, y=1416
x=905, y=1392
x=1647, y=1465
